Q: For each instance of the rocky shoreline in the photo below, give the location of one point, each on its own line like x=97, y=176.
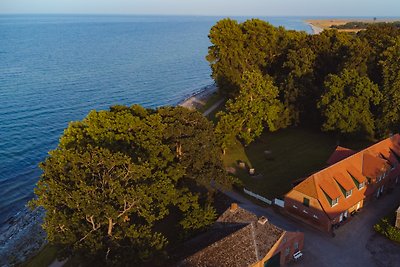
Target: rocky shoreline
x=21, y=237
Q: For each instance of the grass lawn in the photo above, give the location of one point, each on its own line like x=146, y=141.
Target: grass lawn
x=44, y=258
x=293, y=153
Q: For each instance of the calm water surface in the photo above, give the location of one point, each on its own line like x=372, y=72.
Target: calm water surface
x=55, y=69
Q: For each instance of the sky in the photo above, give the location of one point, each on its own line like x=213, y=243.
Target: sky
x=374, y=8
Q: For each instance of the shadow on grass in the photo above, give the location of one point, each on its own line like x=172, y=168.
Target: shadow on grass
x=282, y=157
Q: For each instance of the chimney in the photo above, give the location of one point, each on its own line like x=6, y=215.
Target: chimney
x=234, y=207
x=398, y=218
x=262, y=220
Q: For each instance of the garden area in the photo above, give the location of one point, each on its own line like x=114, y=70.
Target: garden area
x=282, y=157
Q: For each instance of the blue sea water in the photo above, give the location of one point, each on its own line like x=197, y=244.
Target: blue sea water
x=56, y=68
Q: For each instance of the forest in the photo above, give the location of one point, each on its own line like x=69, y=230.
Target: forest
x=343, y=83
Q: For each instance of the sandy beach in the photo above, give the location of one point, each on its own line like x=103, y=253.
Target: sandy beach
x=318, y=25
x=199, y=99
x=315, y=29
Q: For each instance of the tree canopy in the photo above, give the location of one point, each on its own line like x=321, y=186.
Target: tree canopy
x=346, y=103
x=256, y=106
x=307, y=67
x=117, y=173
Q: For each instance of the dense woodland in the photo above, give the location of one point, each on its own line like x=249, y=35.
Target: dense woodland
x=364, y=25
x=339, y=82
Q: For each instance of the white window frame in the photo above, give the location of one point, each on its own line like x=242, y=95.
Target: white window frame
x=361, y=185
x=336, y=202
x=349, y=193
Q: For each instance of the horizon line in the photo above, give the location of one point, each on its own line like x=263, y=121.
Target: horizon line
x=197, y=15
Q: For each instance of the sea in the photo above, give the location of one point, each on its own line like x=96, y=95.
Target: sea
x=54, y=69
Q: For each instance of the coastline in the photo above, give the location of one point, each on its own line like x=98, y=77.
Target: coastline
x=315, y=29
x=22, y=237
x=199, y=99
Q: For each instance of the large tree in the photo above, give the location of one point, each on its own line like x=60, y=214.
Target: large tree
x=390, y=109
x=347, y=103
x=118, y=174
x=256, y=107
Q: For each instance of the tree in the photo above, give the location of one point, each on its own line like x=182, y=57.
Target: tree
x=298, y=85
x=256, y=106
x=347, y=102
x=117, y=174
x=390, y=108
x=192, y=137
x=226, y=55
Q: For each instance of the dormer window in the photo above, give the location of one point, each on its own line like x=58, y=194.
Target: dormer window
x=334, y=202
x=348, y=193
x=361, y=186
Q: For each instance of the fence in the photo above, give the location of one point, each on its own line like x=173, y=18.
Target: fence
x=261, y=198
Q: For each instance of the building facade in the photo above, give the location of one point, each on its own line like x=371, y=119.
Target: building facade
x=329, y=197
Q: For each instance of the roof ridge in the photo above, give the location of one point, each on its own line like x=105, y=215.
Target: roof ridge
x=253, y=235
x=351, y=156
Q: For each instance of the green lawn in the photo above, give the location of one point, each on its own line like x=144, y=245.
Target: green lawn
x=294, y=153
x=44, y=258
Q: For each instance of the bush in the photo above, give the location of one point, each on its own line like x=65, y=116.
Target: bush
x=387, y=229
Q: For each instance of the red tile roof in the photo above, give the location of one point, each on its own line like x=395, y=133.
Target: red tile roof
x=370, y=162
x=339, y=154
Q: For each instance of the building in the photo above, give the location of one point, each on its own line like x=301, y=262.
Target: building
x=239, y=238
x=330, y=196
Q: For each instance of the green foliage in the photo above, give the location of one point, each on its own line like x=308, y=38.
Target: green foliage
x=301, y=65
x=387, y=229
x=346, y=103
x=390, y=108
x=118, y=173
x=256, y=106
x=364, y=25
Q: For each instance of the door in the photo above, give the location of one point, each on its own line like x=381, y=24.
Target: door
x=341, y=217
x=346, y=214
x=358, y=205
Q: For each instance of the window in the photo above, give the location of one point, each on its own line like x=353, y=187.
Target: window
x=348, y=193
x=361, y=185
x=334, y=202
x=315, y=216
x=331, y=202
x=294, y=206
x=287, y=251
x=296, y=246
x=306, y=202
x=306, y=212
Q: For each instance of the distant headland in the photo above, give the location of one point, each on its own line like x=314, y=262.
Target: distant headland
x=346, y=24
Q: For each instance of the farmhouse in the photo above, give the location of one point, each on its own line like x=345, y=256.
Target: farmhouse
x=327, y=198
x=239, y=238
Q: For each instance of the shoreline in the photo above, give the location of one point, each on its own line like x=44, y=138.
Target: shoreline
x=315, y=29
x=22, y=237
x=199, y=99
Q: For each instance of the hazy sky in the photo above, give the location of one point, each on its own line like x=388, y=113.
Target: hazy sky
x=208, y=7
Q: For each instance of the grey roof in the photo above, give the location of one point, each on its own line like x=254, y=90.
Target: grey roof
x=248, y=243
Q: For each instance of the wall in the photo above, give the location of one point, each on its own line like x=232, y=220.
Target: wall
x=287, y=240
x=312, y=215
